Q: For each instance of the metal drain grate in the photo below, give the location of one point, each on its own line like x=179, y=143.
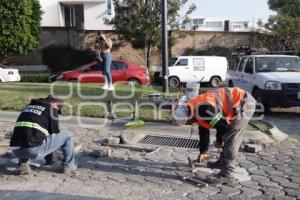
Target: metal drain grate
x=170, y=141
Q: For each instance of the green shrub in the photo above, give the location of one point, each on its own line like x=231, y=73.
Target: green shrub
x=60, y=58
x=41, y=77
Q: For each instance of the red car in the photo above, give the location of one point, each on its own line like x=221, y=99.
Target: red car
x=93, y=73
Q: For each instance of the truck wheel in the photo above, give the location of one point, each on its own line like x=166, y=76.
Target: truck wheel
x=174, y=82
x=215, y=82
x=258, y=99
x=230, y=83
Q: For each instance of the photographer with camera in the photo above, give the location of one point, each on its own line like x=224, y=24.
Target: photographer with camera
x=103, y=45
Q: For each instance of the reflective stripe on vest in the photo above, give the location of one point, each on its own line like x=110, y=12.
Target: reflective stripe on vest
x=32, y=125
x=219, y=101
x=220, y=97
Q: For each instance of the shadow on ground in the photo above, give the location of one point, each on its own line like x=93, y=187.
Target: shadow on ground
x=36, y=195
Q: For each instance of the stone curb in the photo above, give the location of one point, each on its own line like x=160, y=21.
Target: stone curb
x=274, y=133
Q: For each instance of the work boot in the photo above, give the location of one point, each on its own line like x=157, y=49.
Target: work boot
x=214, y=165
x=69, y=170
x=24, y=169
x=216, y=179
x=51, y=159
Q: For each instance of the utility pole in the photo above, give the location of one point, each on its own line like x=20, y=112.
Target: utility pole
x=165, y=63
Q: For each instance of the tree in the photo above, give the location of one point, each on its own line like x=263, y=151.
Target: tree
x=283, y=33
x=139, y=21
x=20, y=27
x=285, y=7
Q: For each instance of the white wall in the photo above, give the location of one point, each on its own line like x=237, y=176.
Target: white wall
x=94, y=14
x=51, y=15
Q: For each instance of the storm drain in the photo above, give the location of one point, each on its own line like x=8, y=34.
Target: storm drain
x=187, y=143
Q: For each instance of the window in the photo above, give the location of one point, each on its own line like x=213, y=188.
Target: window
x=74, y=16
x=249, y=66
x=96, y=67
x=199, y=64
x=118, y=65
x=214, y=24
x=242, y=64
x=198, y=21
x=277, y=64
x=182, y=62
x=237, y=26
x=109, y=7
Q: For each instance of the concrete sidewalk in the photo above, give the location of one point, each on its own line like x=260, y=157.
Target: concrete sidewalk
x=10, y=116
x=116, y=127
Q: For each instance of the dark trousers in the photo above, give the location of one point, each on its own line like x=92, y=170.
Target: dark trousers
x=233, y=137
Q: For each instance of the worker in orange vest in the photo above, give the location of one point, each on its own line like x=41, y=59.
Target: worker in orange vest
x=228, y=110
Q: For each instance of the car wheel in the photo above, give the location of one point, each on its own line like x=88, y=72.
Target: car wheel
x=215, y=82
x=133, y=81
x=259, y=100
x=174, y=82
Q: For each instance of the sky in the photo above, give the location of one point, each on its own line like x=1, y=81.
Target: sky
x=233, y=9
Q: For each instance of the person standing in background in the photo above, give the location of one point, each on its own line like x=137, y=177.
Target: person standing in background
x=103, y=45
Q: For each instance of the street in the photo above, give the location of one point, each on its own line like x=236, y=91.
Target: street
x=128, y=174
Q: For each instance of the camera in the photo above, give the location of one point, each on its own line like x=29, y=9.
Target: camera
x=99, y=38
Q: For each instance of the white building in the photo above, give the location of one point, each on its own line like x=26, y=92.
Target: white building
x=82, y=14
x=217, y=24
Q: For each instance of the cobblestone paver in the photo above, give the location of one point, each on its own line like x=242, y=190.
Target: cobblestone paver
x=127, y=174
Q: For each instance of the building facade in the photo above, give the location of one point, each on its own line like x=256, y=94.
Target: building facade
x=81, y=14
x=217, y=24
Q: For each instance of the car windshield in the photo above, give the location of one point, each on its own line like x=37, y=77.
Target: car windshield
x=277, y=64
x=3, y=66
x=81, y=67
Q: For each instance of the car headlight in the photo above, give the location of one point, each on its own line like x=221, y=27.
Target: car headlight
x=273, y=85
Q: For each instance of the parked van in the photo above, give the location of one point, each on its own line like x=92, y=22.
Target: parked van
x=205, y=69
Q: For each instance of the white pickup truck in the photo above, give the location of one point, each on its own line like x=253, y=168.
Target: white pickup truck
x=273, y=80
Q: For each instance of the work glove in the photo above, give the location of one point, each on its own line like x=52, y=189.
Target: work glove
x=219, y=144
x=202, y=158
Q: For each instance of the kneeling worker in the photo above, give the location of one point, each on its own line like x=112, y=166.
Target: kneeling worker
x=36, y=134
x=228, y=110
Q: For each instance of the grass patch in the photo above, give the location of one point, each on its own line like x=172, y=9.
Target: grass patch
x=261, y=126
x=86, y=100
x=35, y=77
x=15, y=96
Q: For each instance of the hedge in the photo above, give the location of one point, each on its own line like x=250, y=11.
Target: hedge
x=41, y=77
x=61, y=58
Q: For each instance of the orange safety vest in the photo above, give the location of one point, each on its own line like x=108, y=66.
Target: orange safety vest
x=225, y=98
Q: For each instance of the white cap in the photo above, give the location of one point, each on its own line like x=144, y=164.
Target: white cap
x=181, y=114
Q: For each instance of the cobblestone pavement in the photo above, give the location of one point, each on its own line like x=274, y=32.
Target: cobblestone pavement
x=275, y=174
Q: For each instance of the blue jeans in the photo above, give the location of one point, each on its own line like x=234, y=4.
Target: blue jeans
x=49, y=145
x=107, y=59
